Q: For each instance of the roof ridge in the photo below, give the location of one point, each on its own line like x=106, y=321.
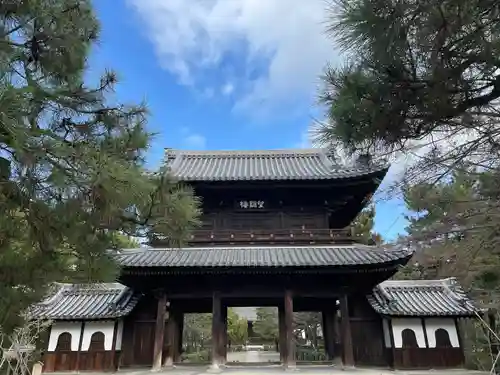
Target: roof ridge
x=236, y=248
x=268, y=152
x=410, y=283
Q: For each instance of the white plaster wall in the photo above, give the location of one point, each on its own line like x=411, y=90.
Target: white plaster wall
x=107, y=327
x=119, y=335
x=433, y=324
x=387, y=333
x=74, y=328
x=399, y=324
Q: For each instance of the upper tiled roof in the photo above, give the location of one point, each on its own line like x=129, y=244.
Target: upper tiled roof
x=293, y=164
x=421, y=298
x=282, y=256
x=86, y=301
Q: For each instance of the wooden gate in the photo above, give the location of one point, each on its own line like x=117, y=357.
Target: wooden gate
x=65, y=360
x=368, y=342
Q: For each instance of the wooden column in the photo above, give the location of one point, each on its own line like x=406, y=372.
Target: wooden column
x=328, y=322
x=223, y=338
x=80, y=342
x=290, y=341
x=345, y=332
x=114, y=364
x=282, y=333
x=216, y=329
x=171, y=336
x=159, y=332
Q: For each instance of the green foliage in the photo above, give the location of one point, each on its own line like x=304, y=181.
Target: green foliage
x=237, y=328
x=309, y=322
x=197, y=332
x=266, y=326
x=454, y=227
x=363, y=227
x=417, y=68
x=71, y=165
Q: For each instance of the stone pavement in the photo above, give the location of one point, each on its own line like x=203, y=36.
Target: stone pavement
x=253, y=356
x=300, y=370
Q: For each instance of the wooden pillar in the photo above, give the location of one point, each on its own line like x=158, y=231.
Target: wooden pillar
x=216, y=328
x=80, y=342
x=282, y=333
x=424, y=329
x=290, y=340
x=171, y=330
x=328, y=322
x=223, y=338
x=392, y=357
x=159, y=332
x=345, y=331
x=114, y=363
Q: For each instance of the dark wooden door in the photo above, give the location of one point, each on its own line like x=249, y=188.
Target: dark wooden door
x=368, y=343
x=143, y=342
x=65, y=359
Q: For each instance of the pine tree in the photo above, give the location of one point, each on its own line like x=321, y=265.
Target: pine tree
x=420, y=73
x=71, y=164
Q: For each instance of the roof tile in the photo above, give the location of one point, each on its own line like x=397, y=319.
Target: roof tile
x=289, y=256
x=86, y=301
x=421, y=298
x=293, y=164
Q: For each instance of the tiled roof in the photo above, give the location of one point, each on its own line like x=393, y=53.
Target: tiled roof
x=86, y=301
x=282, y=256
x=421, y=298
x=293, y=164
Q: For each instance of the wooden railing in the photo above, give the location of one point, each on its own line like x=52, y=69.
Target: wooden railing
x=270, y=236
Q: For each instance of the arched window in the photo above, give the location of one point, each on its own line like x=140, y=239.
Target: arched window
x=442, y=338
x=409, y=338
x=96, y=342
x=64, y=342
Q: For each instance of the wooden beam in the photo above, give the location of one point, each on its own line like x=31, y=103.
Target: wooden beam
x=159, y=332
x=346, y=336
x=290, y=340
x=216, y=328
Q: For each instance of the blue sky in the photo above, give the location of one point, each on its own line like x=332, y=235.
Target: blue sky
x=222, y=74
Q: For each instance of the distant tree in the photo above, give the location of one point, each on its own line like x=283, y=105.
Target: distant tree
x=454, y=230
x=363, y=227
x=197, y=331
x=266, y=326
x=452, y=234
x=309, y=323
x=237, y=328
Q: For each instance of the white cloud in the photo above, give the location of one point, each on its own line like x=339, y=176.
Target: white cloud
x=195, y=141
x=192, y=38
x=227, y=89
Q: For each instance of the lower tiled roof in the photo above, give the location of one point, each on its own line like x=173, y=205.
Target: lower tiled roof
x=421, y=298
x=278, y=256
x=86, y=301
